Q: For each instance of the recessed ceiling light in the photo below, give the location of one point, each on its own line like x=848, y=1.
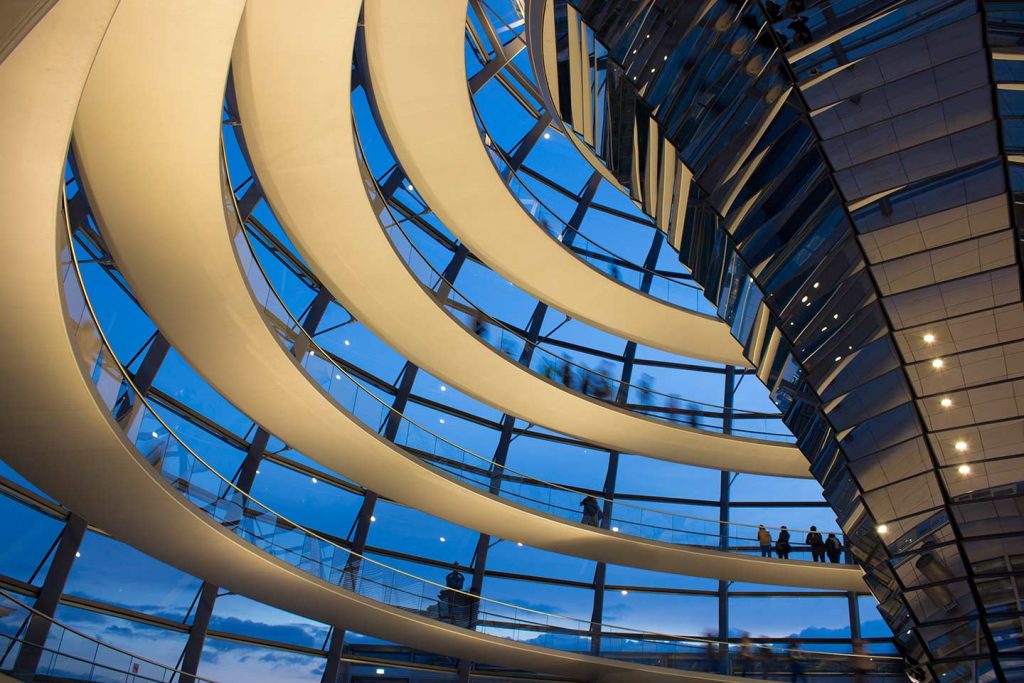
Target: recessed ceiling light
x=964, y=469
x=929, y=338
x=838, y=358
x=946, y=402
x=825, y=329
x=804, y=299
x=960, y=445
x=881, y=528
x=835, y=316
x=937, y=363
x=815, y=285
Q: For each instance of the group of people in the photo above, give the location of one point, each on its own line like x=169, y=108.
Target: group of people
x=766, y=660
x=821, y=547
x=583, y=379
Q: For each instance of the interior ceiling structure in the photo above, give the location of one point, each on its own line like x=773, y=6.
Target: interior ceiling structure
x=857, y=162
x=837, y=176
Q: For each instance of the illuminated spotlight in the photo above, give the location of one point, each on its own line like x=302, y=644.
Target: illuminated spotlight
x=929, y=338
x=312, y=353
x=380, y=672
x=652, y=70
x=946, y=402
x=960, y=445
x=154, y=435
x=443, y=539
x=337, y=377
x=444, y=388
x=373, y=518
x=835, y=316
x=804, y=300
x=815, y=285
x=665, y=58
x=825, y=328
x=615, y=529
x=257, y=471
x=624, y=592
x=441, y=420
x=348, y=343
x=881, y=528
x=937, y=363
x=547, y=136
x=838, y=358
x=964, y=469
x=409, y=187
x=313, y=479
x=519, y=544
x=78, y=554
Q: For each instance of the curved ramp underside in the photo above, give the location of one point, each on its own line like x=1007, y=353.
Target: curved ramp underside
x=291, y=74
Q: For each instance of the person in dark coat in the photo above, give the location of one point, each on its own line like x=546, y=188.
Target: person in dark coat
x=591, y=511
x=833, y=548
x=455, y=578
x=782, y=546
x=817, y=544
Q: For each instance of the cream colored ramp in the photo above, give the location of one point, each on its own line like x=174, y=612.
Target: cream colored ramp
x=291, y=73
x=148, y=151
x=416, y=56
x=59, y=436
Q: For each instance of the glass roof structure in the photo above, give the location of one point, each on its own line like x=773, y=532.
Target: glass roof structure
x=510, y=340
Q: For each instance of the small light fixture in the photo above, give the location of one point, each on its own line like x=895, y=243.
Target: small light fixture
x=380, y=672
x=815, y=285
x=547, y=136
x=946, y=402
x=804, y=300
x=313, y=479
x=838, y=358
x=312, y=353
x=615, y=529
x=929, y=338
x=154, y=435
x=441, y=420
x=652, y=70
x=937, y=363
x=409, y=187
x=624, y=592
x=78, y=554
x=665, y=58
x=519, y=544
x=825, y=328
x=960, y=445
x=444, y=388
x=257, y=471
x=881, y=528
x=964, y=469
x=348, y=343
x=373, y=518
x=835, y=316
x=337, y=377
x=443, y=539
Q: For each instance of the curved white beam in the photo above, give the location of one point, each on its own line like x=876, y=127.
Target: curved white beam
x=148, y=151
x=416, y=55
x=298, y=131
